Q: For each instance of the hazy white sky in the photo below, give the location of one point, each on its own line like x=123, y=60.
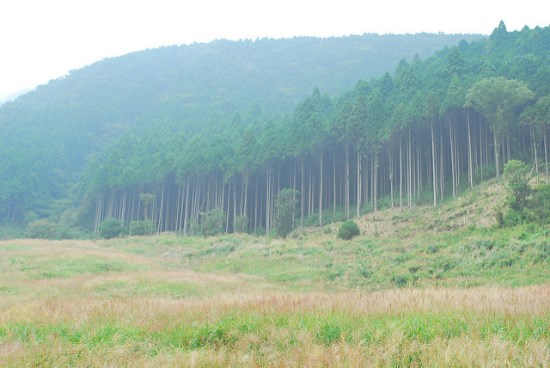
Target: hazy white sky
x=44, y=39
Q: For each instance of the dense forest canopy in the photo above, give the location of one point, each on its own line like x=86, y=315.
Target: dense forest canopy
x=405, y=138
x=47, y=136
x=413, y=136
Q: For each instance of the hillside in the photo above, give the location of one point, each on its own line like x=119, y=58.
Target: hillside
x=416, y=136
x=464, y=295
x=456, y=244
x=184, y=206
x=419, y=135
x=48, y=135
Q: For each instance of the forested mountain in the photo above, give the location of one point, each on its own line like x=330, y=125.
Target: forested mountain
x=409, y=137
x=48, y=135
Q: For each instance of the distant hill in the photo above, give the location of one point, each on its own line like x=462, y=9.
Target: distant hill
x=48, y=135
x=418, y=135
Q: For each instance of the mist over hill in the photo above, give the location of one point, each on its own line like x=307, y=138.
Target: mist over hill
x=48, y=134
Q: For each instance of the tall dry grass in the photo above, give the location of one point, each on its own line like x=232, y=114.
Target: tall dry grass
x=532, y=300
x=143, y=316
x=285, y=330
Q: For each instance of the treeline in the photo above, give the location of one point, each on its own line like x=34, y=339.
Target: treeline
x=411, y=137
x=48, y=135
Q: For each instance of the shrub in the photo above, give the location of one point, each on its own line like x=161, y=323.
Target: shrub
x=241, y=224
x=45, y=229
x=285, y=206
x=213, y=222
x=499, y=216
x=11, y=232
x=526, y=205
x=111, y=228
x=539, y=204
x=517, y=176
x=348, y=230
x=145, y=227
x=195, y=228
x=513, y=217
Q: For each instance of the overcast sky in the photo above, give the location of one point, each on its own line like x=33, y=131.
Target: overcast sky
x=45, y=39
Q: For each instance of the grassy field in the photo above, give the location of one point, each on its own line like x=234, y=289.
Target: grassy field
x=415, y=289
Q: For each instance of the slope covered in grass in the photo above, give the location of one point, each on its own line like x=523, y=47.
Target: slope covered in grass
x=431, y=287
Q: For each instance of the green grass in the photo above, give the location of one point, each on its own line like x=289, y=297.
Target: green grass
x=192, y=298
x=14, y=247
x=69, y=267
x=414, y=289
x=284, y=331
x=147, y=287
x=465, y=257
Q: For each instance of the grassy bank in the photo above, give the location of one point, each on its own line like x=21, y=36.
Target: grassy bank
x=411, y=290
x=430, y=327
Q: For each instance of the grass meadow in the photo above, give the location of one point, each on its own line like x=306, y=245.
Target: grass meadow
x=410, y=291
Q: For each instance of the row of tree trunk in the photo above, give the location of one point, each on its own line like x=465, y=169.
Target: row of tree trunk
x=344, y=178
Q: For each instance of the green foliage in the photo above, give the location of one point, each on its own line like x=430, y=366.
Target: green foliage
x=329, y=333
x=48, y=135
x=498, y=100
x=222, y=124
x=112, y=228
x=241, y=224
x=213, y=222
x=538, y=206
x=348, y=230
x=45, y=229
x=526, y=204
x=499, y=216
x=195, y=228
x=537, y=114
x=285, y=207
x=11, y=232
x=517, y=175
x=147, y=199
x=145, y=227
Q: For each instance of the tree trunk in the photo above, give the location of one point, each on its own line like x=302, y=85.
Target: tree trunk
x=400, y=174
x=391, y=175
x=321, y=191
x=97, y=215
x=410, y=171
x=470, y=170
x=545, y=141
x=508, y=148
x=256, y=207
x=371, y=167
x=441, y=165
x=451, y=141
x=535, y=152
x=375, y=181
x=334, y=183
x=228, y=206
x=418, y=173
x=365, y=181
x=187, y=208
x=294, y=187
x=268, y=202
x=160, y=222
x=302, y=195
x=434, y=174
x=358, y=189
x=310, y=192
x=245, y=195
x=234, y=202
x=346, y=184
x=458, y=162
x=497, y=166
x=179, y=212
